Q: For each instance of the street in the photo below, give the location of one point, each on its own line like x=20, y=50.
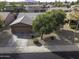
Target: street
x=30, y=56
x=53, y=55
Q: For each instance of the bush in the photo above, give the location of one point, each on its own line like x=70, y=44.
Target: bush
x=73, y=26
x=32, y=36
x=37, y=42
x=35, y=35
x=52, y=38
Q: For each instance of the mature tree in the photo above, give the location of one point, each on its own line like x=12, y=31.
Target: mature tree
x=48, y=22
x=42, y=24
x=58, y=15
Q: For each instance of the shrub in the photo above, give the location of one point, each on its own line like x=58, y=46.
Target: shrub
x=73, y=26
x=36, y=41
x=52, y=38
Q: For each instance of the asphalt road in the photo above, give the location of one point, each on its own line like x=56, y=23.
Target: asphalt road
x=30, y=56
x=54, y=55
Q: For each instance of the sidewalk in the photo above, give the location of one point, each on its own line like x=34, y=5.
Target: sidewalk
x=36, y=49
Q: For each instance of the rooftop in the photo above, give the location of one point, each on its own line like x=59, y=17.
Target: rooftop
x=4, y=14
x=25, y=18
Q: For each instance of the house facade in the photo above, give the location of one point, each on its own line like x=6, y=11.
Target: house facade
x=21, y=28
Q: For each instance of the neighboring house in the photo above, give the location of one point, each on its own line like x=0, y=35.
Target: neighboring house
x=4, y=14
x=8, y=17
x=61, y=8
x=23, y=23
x=11, y=8
x=36, y=8
x=8, y=8
x=75, y=7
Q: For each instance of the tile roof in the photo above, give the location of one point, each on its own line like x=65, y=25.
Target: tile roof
x=17, y=20
x=26, y=18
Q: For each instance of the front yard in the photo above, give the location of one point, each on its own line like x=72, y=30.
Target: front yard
x=65, y=36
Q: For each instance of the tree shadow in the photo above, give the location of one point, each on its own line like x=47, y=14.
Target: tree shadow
x=23, y=36
x=26, y=35
x=5, y=37
x=39, y=44
x=68, y=36
x=7, y=43
x=63, y=38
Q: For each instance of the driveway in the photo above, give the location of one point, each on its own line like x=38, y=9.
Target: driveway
x=17, y=42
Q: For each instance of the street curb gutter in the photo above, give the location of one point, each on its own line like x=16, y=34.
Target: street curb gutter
x=37, y=49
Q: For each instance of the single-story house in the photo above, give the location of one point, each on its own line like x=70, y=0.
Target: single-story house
x=4, y=15
x=7, y=17
x=23, y=23
x=36, y=8
x=60, y=8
